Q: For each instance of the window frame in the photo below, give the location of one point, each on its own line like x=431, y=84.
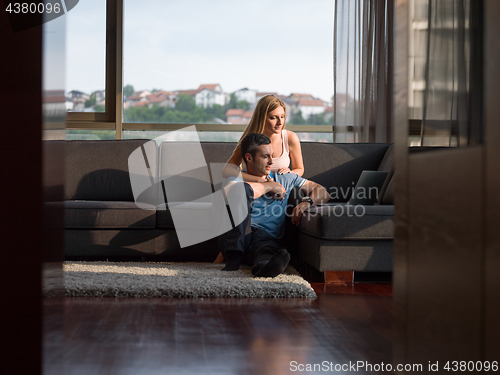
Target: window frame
x=111, y=118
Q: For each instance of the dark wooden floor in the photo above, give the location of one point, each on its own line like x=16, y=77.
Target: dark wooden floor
x=346, y=323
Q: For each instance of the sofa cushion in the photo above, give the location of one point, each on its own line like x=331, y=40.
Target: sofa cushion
x=164, y=217
x=218, y=152
x=184, y=171
x=203, y=215
x=340, y=221
x=387, y=163
x=98, y=170
x=107, y=215
x=136, y=243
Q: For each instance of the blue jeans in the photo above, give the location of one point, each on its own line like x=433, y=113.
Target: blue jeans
x=247, y=239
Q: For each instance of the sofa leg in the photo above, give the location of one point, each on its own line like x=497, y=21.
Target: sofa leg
x=339, y=276
x=312, y=275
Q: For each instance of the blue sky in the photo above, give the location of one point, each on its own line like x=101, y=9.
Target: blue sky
x=281, y=46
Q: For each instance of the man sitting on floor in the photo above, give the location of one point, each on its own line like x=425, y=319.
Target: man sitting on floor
x=256, y=240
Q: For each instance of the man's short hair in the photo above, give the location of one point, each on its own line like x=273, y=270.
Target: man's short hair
x=252, y=142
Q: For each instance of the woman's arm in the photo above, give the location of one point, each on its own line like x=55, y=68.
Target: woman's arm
x=232, y=169
x=295, y=153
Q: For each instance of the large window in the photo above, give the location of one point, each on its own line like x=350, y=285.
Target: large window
x=175, y=63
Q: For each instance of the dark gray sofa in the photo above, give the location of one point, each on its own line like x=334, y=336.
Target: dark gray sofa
x=335, y=239
x=102, y=219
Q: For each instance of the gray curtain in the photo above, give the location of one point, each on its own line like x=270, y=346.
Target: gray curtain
x=452, y=100
x=363, y=70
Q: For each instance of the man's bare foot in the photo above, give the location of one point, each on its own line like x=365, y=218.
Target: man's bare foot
x=219, y=259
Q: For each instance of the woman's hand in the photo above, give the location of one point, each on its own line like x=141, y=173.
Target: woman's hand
x=284, y=171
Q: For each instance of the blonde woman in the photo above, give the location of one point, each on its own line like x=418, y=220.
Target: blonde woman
x=269, y=118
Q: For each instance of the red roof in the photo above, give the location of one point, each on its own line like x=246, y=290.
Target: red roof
x=140, y=104
x=137, y=95
x=311, y=103
x=159, y=96
x=239, y=112
x=342, y=99
x=53, y=98
x=303, y=96
x=156, y=99
x=235, y=112
x=187, y=92
x=210, y=86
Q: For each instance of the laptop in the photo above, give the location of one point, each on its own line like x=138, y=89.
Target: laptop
x=368, y=188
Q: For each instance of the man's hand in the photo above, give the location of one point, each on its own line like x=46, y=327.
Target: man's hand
x=298, y=211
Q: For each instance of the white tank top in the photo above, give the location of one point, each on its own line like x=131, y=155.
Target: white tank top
x=284, y=160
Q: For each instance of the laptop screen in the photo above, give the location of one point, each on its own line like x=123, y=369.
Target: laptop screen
x=367, y=189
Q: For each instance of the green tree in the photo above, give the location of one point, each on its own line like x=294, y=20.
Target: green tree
x=243, y=104
x=216, y=111
x=298, y=119
x=185, y=103
x=317, y=119
x=91, y=101
x=234, y=103
x=128, y=90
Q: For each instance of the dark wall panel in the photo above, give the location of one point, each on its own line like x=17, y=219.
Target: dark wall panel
x=21, y=218
x=492, y=161
x=445, y=255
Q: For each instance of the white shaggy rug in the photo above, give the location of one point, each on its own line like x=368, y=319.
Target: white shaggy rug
x=145, y=279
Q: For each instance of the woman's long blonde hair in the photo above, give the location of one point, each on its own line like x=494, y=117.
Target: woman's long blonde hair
x=257, y=123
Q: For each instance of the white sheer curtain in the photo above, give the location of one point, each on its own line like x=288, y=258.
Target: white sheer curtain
x=363, y=67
